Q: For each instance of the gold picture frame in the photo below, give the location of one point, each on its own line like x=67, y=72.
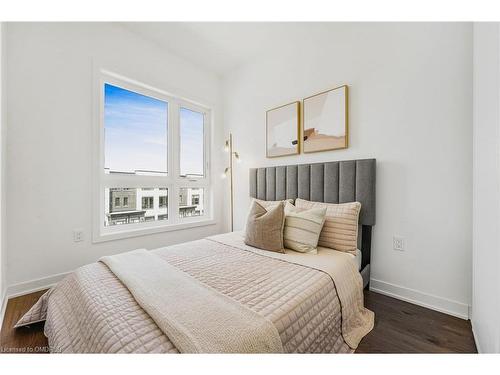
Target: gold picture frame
x=283, y=130
x=325, y=121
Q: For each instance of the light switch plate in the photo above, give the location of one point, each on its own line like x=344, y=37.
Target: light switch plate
x=78, y=235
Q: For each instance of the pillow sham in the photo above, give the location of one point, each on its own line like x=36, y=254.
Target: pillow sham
x=264, y=228
x=340, y=230
x=269, y=204
x=302, y=228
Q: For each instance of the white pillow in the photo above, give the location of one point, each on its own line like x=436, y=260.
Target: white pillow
x=302, y=228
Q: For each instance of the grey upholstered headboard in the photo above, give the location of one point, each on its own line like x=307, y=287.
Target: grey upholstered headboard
x=330, y=182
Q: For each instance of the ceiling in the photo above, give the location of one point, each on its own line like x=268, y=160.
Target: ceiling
x=221, y=46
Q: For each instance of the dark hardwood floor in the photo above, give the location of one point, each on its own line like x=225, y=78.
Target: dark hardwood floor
x=400, y=327
x=25, y=339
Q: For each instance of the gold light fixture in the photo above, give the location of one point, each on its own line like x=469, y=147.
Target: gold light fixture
x=228, y=147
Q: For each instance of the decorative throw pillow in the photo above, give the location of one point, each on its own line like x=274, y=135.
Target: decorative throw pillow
x=269, y=204
x=302, y=228
x=264, y=228
x=340, y=231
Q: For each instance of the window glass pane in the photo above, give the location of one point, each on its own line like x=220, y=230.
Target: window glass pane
x=191, y=202
x=135, y=205
x=191, y=143
x=135, y=132
x=147, y=203
x=163, y=201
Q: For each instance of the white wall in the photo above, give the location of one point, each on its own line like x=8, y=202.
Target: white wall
x=486, y=198
x=48, y=177
x=3, y=283
x=411, y=108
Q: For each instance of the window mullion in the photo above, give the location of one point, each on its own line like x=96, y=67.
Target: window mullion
x=134, y=181
x=174, y=154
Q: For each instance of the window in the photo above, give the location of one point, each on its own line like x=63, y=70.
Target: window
x=129, y=212
x=147, y=203
x=135, y=127
x=195, y=198
x=163, y=201
x=191, y=143
x=151, y=145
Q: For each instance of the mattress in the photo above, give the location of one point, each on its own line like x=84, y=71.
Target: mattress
x=91, y=311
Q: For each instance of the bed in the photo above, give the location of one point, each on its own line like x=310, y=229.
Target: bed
x=330, y=182
x=263, y=301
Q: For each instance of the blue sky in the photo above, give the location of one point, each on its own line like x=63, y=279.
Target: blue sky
x=136, y=133
x=191, y=142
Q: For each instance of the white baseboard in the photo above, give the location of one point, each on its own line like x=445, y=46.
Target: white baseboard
x=444, y=305
x=27, y=287
x=32, y=286
x=478, y=347
x=3, y=306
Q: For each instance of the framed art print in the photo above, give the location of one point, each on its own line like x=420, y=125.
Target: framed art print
x=282, y=130
x=325, y=121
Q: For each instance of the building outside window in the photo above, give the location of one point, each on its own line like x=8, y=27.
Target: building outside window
x=120, y=214
x=195, y=197
x=131, y=212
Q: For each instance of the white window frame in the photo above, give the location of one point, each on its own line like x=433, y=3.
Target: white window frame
x=172, y=181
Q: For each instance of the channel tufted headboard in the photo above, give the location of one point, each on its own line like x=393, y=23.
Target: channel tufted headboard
x=330, y=182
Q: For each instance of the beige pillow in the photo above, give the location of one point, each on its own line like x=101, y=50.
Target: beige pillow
x=268, y=204
x=340, y=231
x=302, y=228
x=264, y=228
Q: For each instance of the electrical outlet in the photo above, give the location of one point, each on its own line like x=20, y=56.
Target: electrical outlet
x=398, y=243
x=78, y=235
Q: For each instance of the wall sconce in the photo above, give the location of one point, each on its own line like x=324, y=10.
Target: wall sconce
x=228, y=171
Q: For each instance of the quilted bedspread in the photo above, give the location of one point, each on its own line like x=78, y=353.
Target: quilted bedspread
x=91, y=311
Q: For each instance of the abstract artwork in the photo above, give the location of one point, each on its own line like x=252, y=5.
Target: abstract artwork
x=325, y=124
x=282, y=130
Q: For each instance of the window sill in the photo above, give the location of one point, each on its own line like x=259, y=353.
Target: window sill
x=119, y=235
